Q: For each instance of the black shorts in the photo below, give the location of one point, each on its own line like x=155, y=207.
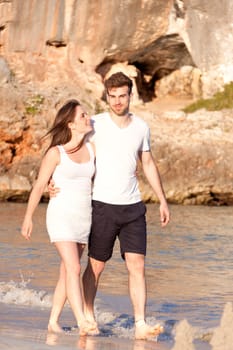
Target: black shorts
x=109, y=221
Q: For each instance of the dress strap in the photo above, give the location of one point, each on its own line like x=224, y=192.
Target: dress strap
x=90, y=149
x=61, y=149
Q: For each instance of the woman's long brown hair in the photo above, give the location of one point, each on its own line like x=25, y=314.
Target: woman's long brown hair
x=60, y=131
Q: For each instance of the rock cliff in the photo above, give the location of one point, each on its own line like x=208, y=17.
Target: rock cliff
x=51, y=50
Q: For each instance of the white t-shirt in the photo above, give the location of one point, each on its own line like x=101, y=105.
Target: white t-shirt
x=116, y=158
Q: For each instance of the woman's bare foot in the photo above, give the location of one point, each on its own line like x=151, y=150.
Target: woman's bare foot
x=144, y=331
x=54, y=327
x=91, y=319
x=88, y=328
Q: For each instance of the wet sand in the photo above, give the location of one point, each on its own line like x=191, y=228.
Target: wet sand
x=189, y=274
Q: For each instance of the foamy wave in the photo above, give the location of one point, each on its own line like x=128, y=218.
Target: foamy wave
x=113, y=324
x=18, y=293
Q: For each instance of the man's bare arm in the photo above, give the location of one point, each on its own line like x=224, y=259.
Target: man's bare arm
x=152, y=174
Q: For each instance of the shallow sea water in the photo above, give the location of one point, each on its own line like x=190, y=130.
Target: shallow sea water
x=189, y=269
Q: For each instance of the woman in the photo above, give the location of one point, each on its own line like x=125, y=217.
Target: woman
x=70, y=162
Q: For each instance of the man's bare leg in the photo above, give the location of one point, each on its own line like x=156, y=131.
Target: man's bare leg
x=137, y=288
x=90, y=283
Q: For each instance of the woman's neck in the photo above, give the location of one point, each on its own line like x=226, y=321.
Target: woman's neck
x=74, y=144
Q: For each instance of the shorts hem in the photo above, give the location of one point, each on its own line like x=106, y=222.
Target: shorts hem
x=134, y=252
x=130, y=251
x=98, y=258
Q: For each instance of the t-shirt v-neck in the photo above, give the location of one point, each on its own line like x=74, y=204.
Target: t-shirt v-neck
x=117, y=126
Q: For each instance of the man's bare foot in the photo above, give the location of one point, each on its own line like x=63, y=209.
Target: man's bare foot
x=144, y=331
x=54, y=327
x=88, y=328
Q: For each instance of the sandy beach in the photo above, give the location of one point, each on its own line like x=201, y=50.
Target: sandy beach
x=189, y=281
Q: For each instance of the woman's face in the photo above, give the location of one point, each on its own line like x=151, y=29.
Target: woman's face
x=82, y=122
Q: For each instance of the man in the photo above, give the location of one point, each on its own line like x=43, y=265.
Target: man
x=121, y=139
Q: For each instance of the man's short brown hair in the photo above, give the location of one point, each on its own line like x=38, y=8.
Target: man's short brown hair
x=116, y=80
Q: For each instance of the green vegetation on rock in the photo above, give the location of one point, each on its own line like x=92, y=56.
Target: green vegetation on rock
x=33, y=104
x=219, y=101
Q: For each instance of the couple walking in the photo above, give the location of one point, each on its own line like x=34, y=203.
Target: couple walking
x=93, y=165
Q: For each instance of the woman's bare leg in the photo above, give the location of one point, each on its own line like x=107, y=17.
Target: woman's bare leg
x=69, y=253
x=59, y=299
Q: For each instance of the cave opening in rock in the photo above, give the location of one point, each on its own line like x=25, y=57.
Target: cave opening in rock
x=152, y=62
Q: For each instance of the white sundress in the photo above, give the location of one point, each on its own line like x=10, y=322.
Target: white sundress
x=68, y=216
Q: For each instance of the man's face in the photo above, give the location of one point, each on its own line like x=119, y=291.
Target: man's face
x=119, y=99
